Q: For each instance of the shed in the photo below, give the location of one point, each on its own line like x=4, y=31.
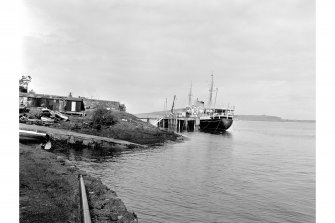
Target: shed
x=52, y=102
x=74, y=104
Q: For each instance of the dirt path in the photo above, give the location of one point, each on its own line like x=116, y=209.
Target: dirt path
x=66, y=133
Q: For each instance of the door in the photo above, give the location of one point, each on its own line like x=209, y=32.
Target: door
x=78, y=106
x=73, y=106
x=56, y=105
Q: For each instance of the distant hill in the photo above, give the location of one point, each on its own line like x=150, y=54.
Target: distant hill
x=258, y=118
x=267, y=118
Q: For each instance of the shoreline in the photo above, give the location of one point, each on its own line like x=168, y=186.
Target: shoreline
x=49, y=191
x=49, y=185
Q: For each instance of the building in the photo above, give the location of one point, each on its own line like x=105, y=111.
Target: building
x=69, y=105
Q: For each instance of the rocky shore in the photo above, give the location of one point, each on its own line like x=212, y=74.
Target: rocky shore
x=49, y=191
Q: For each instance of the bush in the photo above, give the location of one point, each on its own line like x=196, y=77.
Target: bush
x=35, y=113
x=103, y=116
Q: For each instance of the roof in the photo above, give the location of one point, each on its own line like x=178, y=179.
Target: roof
x=32, y=95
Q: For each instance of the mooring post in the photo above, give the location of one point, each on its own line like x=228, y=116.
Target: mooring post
x=168, y=124
x=186, y=121
x=86, y=218
x=173, y=124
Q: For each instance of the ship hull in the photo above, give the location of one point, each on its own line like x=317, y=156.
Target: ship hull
x=215, y=125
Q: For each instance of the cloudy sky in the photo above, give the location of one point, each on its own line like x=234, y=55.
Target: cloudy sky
x=139, y=52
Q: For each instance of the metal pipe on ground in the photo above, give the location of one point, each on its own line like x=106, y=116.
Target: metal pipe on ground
x=86, y=218
x=44, y=138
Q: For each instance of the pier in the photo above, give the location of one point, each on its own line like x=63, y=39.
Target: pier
x=171, y=122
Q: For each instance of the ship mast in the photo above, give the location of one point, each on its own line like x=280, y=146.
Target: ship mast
x=210, y=93
x=190, y=96
x=216, y=94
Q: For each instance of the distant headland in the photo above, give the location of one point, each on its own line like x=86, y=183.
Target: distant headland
x=268, y=118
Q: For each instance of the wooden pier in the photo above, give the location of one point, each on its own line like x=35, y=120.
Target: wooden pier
x=172, y=122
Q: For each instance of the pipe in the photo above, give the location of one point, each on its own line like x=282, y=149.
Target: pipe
x=86, y=218
x=31, y=135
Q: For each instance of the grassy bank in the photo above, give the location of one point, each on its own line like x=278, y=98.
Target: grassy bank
x=49, y=186
x=49, y=191
x=118, y=125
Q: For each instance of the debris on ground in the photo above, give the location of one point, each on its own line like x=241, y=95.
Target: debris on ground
x=40, y=116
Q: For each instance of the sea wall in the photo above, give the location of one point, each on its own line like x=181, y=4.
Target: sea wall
x=95, y=103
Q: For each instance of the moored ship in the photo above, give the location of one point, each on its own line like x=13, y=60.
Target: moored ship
x=215, y=119
x=209, y=119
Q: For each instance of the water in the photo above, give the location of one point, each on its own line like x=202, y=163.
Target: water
x=257, y=172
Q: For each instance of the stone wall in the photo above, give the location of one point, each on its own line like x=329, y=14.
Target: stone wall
x=95, y=103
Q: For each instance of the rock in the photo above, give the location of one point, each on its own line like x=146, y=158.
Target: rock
x=71, y=140
x=68, y=162
x=60, y=159
x=87, y=142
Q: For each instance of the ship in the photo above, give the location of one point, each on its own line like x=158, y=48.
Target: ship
x=215, y=119
x=208, y=119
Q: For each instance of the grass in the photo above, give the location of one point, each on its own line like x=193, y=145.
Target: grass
x=48, y=195
x=118, y=125
x=49, y=191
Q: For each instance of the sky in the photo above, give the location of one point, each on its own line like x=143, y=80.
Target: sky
x=261, y=52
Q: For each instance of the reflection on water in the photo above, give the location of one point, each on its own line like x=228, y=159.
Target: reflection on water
x=256, y=172
x=90, y=155
x=223, y=133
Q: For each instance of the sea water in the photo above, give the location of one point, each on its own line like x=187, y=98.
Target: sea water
x=255, y=172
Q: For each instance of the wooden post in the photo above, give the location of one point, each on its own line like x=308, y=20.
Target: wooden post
x=169, y=123
x=176, y=123
x=186, y=123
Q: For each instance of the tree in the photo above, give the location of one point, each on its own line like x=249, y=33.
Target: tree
x=23, y=83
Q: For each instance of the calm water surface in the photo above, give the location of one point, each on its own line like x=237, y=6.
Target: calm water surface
x=256, y=172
